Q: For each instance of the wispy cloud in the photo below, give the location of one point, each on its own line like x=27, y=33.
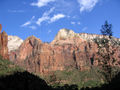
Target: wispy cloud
x=42, y=19
x=28, y=22
x=49, y=31
x=87, y=5
x=41, y=3
x=16, y=11
x=33, y=27
x=45, y=16
x=49, y=12
x=73, y=23
x=78, y=23
x=84, y=29
x=33, y=17
x=57, y=17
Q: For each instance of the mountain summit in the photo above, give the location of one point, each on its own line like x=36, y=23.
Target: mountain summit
x=65, y=34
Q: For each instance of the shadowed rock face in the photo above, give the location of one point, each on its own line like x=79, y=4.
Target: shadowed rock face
x=3, y=44
x=67, y=50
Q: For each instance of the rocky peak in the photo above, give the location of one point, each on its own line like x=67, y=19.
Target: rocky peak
x=14, y=43
x=27, y=48
x=3, y=44
x=33, y=40
x=65, y=34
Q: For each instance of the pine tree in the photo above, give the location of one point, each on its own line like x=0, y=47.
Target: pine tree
x=104, y=50
x=107, y=29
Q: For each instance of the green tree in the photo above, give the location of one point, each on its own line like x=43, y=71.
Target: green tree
x=105, y=51
x=107, y=29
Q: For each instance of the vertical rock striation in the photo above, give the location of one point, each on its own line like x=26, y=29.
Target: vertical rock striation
x=68, y=50
x=3, y=44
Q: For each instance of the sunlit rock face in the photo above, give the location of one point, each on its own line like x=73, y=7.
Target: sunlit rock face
x=14, y=43
x=3, y=44
x=67, y=50
x=65, y=34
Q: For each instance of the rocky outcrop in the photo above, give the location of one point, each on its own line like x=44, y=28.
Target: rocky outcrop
x=65, y=34
x=67, y=50
x=14, y=43
x=3, y=44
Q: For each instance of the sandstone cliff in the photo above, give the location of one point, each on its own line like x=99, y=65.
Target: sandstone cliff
x=65, y=34
x=14, y=43
x=3, y=44
x=67, y=50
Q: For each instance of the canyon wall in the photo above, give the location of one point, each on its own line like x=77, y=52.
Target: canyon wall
x=67, y=51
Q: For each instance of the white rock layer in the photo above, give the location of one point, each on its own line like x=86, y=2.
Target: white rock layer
x=14, y=43
x=67, y=34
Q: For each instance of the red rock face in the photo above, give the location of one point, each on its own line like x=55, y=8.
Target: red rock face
x=0, y=28
x=43, y=58
x=3, y=44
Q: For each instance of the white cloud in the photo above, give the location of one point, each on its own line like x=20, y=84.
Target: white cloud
x=28, y=22
x=78, y=23
x=33, y=17
x=49, y=31
x=57, y=17
x=45, y=16
x=42, y=19
x=41, y=3
x=73, y=23
x=16, y=11
x=87, y=5
x=84, y=29
x=49, y=12
x=33, y=27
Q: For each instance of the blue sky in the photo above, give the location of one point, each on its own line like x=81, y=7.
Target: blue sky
x=44, y=18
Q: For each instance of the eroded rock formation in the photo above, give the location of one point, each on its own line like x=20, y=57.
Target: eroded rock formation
x=14, y=43
x=67, y=50
x=3, y=44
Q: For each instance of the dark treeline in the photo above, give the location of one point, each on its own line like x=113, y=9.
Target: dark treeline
x=28, y=81
x=113, y=85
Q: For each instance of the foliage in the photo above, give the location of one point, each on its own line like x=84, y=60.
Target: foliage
x=112, y=85
x=105, y=51
x=107, y=29
x=89, y=78
x=7, y=67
